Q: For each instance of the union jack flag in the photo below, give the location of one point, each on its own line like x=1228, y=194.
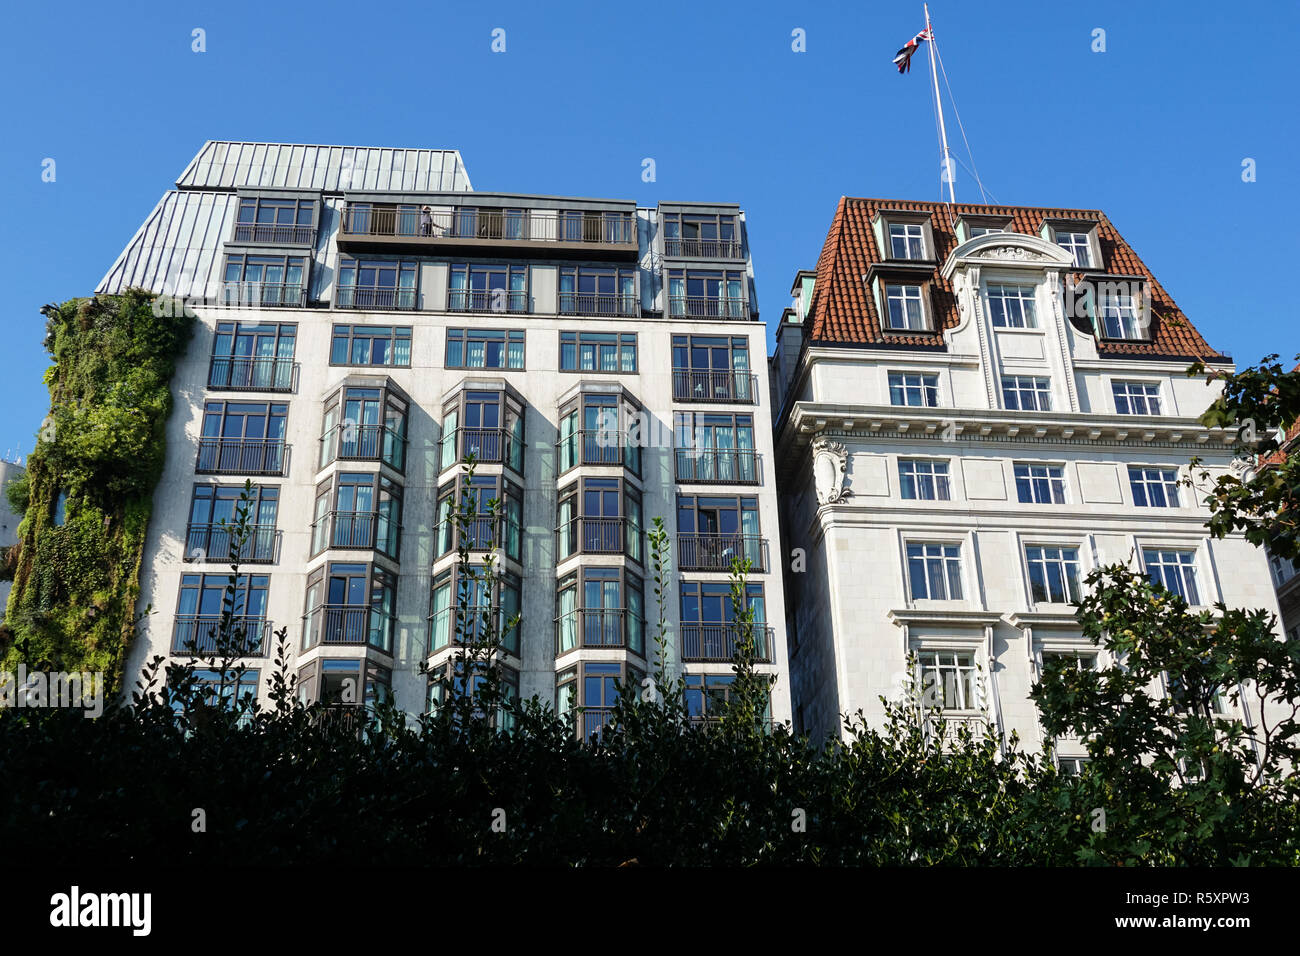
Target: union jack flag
x=903, y=59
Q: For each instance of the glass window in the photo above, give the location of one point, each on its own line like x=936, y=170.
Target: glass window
x=488, y=288
x=1154, y=487
x=949, y=680
x=598, y=352
x=906, y=240
x=1027, y=393
x=1040, y=484
x=934, y=571
x=1076, y=243
x=1136, y=398
x=923, y=480
x=371, y=345
x=1119, y=315
x=485, y=348
x=270, y=281
x=1174, y=570
x=376, y=284
x=919, y=389
x=1053, y=573
x=903, y=308
x=586, y=291
x=1012, y=306
x=706, y=294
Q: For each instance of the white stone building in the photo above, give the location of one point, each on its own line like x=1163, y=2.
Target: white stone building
x=364, y=321
x=976, y=406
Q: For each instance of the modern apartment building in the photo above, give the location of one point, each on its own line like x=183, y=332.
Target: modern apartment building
x=366, y=321
x=976, y=406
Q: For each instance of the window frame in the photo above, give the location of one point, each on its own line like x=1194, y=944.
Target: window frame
x=952, y=566
x=465, y=337
x=351, y=338
x=1116, y=384
x=917, y=478
x=574, y=340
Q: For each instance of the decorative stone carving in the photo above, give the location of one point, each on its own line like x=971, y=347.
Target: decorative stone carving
x=830, y=462
x=1011, y=252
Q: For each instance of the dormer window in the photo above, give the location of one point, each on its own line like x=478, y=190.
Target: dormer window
x=906, y=240
x=984, y=230
x=1120, y=316
x=904, y=308
x=1076, y=244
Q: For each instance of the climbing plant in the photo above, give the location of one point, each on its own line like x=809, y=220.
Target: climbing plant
x=87, y=494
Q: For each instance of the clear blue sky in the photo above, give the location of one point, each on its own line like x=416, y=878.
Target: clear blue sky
x=1153, y=130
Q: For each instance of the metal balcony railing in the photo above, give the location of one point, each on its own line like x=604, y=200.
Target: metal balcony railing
x=487, y=300
x=592, y=446
x=252, y=374
x=740, y=388
x=709, y=465
x=702, y=248
x=480, y=533
x=351, y=442
x=592, y=722
x=716, y=643
x=282, y=233
x=256, y=295
x=196, y=634
x=447, y=627
x=357, y=297
x=706, y=307
x=504, y=225
x=366, y=530
x=241, y=456
x=602, y=535
x=598, y=627
x=334, y=624
x=715, y=552
x=599, y=303
x=487, y=445
x=212, y=542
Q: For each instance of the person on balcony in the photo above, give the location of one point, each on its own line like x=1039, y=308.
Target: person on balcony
x=426, y=221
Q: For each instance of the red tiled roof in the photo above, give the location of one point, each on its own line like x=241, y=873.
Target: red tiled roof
x=843, y=309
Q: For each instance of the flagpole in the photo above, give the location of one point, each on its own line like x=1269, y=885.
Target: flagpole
x=938, y=106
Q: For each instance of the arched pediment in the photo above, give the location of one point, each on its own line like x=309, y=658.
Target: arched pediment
x=1007, y=248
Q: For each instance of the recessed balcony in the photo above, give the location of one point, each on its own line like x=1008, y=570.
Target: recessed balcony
x=589, y=234
x=212, y=542
x=599, y=303
x=349, y=624
x=731, y=387
x=707, y=307
x=716, y=643
x=242, y=456
x=240, y=373
x=715, y=552
x=683, y=247
x=197, y=634
x=263, y=295
x=717, y=466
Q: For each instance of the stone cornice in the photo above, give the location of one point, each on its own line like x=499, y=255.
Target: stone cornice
x=864, y=422
x=956, y=617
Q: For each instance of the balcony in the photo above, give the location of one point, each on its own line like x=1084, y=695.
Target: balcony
x=351, y=442
x=739, y=388
x=357, y=530
x=212, y=542
x=242, y=456
x=480, y=533
x=596, y=536
x=953, y=724
x=279, y=233
x=599, y=303
x=449, y=626
x=717, y=466
x=593, y=446
x=592, y=722
x=592, y=234
x=199, y=630
x=231, y=373
x=349, y=624
x=716, y=643
x=715, y=552
x=595, y=627
x=263, y=295
x=493, y=446
x=383, y=300
x=487, y=300
x=707, y=307
x=685, y=248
